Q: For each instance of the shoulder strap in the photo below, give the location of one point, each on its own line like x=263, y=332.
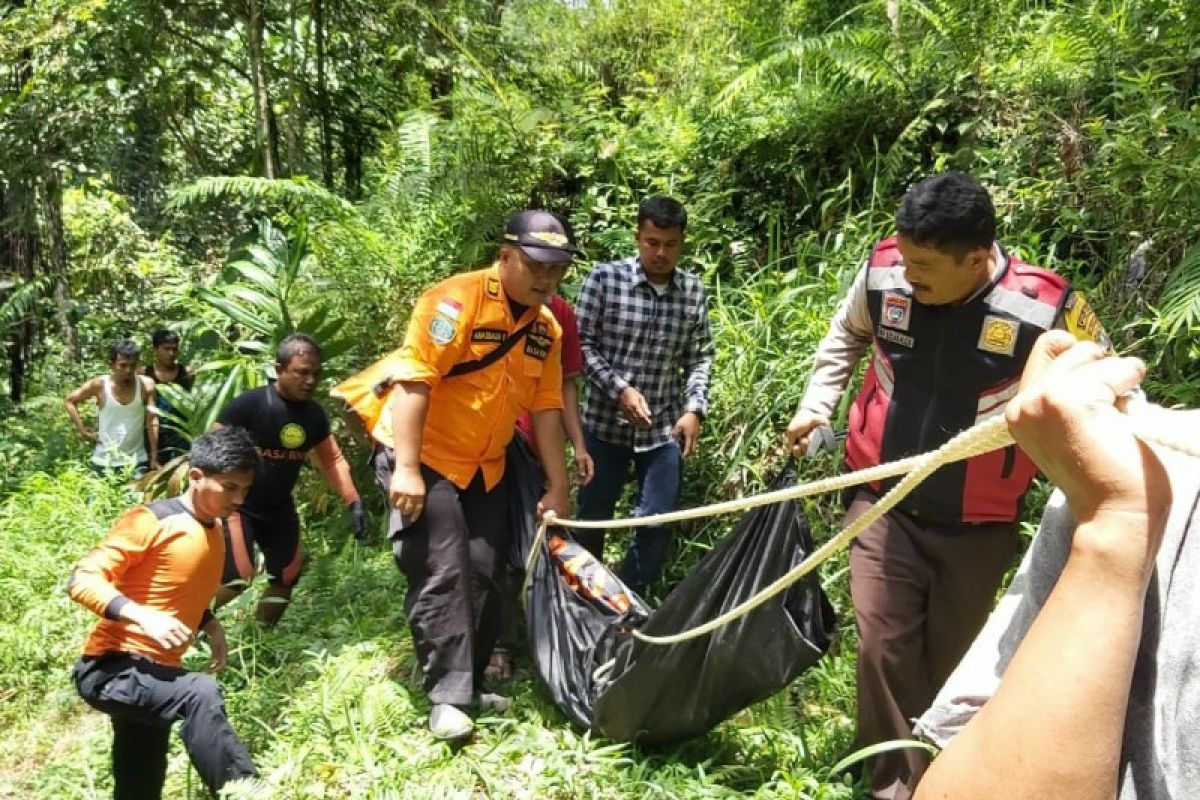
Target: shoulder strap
x=464, y=367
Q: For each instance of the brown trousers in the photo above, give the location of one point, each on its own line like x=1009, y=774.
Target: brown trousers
x=921, y=593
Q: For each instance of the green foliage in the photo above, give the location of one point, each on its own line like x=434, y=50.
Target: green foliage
x=123, y=280
x=261, y=293
x=45, y=526
x=407, y=133
x=265, y=293
x=330, y=701
x=1180, y=308
x=19, y=302
x=301, y=197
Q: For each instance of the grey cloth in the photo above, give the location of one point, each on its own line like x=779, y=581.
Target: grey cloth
x=1160, y=757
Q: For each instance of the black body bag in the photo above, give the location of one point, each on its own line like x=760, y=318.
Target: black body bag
x=579, y=618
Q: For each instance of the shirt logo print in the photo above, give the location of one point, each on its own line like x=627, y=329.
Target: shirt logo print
x=292, y=435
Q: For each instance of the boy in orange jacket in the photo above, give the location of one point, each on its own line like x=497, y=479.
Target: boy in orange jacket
x=151, y=581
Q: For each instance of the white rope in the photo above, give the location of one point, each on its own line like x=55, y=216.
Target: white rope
x=983, y=438
x=1150, y=425
x=548, y=519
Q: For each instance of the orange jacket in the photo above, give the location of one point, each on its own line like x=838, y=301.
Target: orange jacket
x=157, y=556
x=471, y=417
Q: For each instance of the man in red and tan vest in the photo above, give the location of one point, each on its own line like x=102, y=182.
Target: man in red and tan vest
x=952, y=318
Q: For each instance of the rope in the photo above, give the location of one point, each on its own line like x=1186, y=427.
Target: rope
x=1150, y=425
x=536, y=550
x=991, y=435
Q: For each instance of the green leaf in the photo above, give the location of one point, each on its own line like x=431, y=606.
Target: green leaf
x=883, y=747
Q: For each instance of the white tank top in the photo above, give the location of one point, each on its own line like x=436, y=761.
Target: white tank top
x=122, y=429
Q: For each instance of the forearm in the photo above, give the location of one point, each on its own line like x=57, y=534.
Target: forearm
x=571, y=421
x=1054, y=727
x=699, y=360
x=601, y=374
x=89, y=587
x=410, y=404
x=834, y=363
x=697, y=386
x=76, y=419
x=152, y=435
x=336, y=470
x=548, y=433
x=838, y=354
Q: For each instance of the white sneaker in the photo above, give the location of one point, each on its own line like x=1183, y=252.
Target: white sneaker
x=449, y=722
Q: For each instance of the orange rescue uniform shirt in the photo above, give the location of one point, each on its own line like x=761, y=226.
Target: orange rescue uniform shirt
x=472, y=417
x=157, y=556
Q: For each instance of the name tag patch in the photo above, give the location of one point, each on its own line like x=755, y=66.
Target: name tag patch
x=998, y=335
x=895, y=337
x=488, y=335
x=897, y=310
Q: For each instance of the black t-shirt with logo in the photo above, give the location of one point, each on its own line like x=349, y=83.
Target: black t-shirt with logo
x=284, y=431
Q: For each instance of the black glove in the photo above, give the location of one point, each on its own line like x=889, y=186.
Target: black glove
x=358, y=519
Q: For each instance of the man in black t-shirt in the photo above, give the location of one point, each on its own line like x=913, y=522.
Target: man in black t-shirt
x=166, y=368
x=288, y=427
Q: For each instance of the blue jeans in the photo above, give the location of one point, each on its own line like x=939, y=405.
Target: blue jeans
x=659, y=476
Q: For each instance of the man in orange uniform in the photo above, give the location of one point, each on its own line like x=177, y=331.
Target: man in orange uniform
x=481, y=348
x=151, y=580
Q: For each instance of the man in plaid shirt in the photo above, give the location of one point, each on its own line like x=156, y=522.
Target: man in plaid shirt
x=647, y=351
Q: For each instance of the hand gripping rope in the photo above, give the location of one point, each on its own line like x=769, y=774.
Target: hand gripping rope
x=1150, y=425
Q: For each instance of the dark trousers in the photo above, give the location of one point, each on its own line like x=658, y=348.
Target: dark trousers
x=144, y=699
x=659, y=476
x=921, y=593
x=453, y=557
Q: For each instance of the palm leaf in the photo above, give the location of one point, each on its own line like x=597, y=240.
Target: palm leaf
x=1179, y=308
x=255, y=274
x=20, y=304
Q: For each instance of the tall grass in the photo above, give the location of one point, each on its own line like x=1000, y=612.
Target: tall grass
x=330, y=701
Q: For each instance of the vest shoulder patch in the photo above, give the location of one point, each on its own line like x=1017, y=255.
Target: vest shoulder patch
x=998, y=335
x=896, y=310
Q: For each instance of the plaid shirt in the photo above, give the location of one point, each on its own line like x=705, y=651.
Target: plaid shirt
x=659, y=345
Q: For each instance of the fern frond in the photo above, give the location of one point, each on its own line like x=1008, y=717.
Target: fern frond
x=298, y=194
x=1179, y=308
x=851, y=55
x=20, y=304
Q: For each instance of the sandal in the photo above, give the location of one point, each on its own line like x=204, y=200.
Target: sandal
x=500, y=666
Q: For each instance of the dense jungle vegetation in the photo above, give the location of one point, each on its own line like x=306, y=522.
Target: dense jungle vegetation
x=238, y=169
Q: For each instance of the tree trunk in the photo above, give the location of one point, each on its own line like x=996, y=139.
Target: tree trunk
x=56, y=253
x=18, y=257
x=352, y=156
x=139, y=161
x=255, y=33
x=18, y=242
x=297, y=121
x=318, y=22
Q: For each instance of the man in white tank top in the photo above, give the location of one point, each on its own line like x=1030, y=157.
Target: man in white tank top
x=127, y=421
